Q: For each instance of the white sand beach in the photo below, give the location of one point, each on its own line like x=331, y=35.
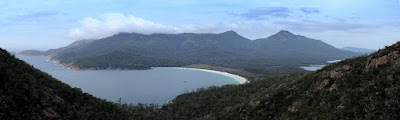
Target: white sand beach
x=241, y=79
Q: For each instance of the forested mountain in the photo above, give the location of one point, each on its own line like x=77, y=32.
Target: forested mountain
x=33, y=53
x=287, y=45
x=53, y=52
x=365, y=87
x=358, y=50
x=228, y=49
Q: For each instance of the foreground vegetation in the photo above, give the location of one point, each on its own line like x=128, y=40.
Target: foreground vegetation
x=365, y=87
x=27, y=93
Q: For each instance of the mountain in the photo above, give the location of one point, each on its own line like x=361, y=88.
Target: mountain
x=32, y=53
x=365, y=87
x=28, y=93
x=53, y=52
x=288, y=45
x=358, y=50
x=227, y=49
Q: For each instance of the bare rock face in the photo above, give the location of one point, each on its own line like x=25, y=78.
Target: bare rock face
x=292, y=109
x=72, y=65
x=336, y=74
x=333, y=87
x=50, y=114
x=332, y=74
x=69, y=65
x=254, y=103
x=322, y=85
x=346, y=67
x=392, y=58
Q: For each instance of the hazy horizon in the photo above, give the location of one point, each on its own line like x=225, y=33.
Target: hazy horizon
x=43, y=25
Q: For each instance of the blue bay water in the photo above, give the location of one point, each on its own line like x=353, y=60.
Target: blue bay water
x=317, y=67
x=156, y=85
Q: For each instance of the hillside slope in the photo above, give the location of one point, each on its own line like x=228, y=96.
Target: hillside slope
x=27, y=93
x=365, y=87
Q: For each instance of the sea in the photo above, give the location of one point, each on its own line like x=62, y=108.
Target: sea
x=153, y=86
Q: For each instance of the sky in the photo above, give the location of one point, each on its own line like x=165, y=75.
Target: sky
x=47, y=24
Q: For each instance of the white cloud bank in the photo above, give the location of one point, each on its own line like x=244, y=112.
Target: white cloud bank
x=109, y=24
x=113, y=23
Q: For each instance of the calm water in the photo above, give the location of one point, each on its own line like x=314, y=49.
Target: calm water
x=157, y=85
x=312, y=67
x=317, y=67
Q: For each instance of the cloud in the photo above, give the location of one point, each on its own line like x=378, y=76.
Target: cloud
x=309, y=10
x=265, y=12
x=113, y=23
x=317, y=26
x=109, y=24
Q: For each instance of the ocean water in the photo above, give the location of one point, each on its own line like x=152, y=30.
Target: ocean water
x=312, y=67
x=317, y=67
x=154, y=86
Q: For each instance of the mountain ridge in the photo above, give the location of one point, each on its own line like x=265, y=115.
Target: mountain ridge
x=227, y=49
x=358, y=50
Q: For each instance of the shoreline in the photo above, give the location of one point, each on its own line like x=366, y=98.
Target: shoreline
x=241, y=79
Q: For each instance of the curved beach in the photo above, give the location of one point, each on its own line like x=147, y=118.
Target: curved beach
x=241, y=79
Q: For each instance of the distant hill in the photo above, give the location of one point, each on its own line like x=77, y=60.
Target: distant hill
x=53, y=52
x=287, y=45
x=32, y=53
x=359, y=50
x=228, y=49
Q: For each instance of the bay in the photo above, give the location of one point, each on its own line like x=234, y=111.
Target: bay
x=317, y=67
x=154, y=86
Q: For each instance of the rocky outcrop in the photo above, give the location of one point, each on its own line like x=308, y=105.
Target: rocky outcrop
x=330, y=77
x=333, y=87
x=72, y=65
x=51, y=114
x=69, y=65
x=322, y=85
x=391, y=58
x=334, y=74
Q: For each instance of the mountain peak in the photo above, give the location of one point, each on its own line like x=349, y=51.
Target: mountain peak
x=284, y=33
x=230, y=32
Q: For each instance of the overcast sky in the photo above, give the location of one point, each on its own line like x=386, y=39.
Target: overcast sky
x=45, y=24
